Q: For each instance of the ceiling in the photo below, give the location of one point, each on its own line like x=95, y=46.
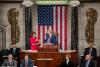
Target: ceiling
x=19, y=1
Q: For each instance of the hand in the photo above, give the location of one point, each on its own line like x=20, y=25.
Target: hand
x=37, y=40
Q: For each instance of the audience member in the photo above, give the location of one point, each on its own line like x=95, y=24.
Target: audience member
x=50, y=38
x=15, y=52
x=91, y=51
x=67, y=62
x=34, y=41
x=10, y=62
x=88, y=62
x=26, y=62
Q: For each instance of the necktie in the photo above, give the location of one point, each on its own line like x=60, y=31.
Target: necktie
x=26, y=63
x=10, y=63
x=90, y=50
x=67, y=62
x=87, y=64
x=48, y=40
x=14, y=50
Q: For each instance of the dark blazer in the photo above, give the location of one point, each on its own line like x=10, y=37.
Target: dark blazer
x=93, y=53
x=92, y=63
x=17, y=52
x=70, y=64
x=53, y=39
x=30, y=63
x=7, y=63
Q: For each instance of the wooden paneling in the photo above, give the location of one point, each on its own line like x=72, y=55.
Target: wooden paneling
x=49, y=59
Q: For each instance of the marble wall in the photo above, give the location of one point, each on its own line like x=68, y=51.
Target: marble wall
x=4, y=7
x=82, y=19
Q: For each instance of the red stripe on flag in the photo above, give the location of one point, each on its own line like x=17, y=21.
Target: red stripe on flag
x=39, y=31
x=47, y=27
x=43, y=30
x=61, y=26
x=65, y=28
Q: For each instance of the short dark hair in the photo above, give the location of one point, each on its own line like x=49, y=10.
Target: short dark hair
x=33, y=33
x=13, y=43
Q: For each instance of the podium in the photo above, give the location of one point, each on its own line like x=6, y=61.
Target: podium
x=46, y=62
x=48, y=48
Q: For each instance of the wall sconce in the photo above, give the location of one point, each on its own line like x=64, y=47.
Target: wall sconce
x=27, y=3
x=74, y=3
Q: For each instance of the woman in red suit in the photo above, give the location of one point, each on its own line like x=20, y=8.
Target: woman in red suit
x=34, y=41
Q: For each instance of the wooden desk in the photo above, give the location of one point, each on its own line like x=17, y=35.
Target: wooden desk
x=48, y=48
x=46, y=62
x=54, y=58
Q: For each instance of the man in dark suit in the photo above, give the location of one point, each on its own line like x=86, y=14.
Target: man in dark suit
x=10, y=62
x=88, y=62
x=67, y=62
x=91, y=51
x=26, y=62
x=15, y=52
x=50, y=38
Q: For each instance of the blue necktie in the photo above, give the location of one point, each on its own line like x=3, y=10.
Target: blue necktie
x=87, y=64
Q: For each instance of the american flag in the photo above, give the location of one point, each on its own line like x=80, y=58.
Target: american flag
x=54, y=17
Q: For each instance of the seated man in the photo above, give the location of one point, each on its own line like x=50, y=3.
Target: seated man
x=15, y=52
x=10, y=62
x=50, y=38
x=88, y=62
x=26, y=62
x=91, y=51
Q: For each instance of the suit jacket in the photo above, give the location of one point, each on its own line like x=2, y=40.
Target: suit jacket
x=7, y=63
x=30, y=63
x=70, y=64
x=16, y=53
x=53, y=39
x=93, y=53
x=92, y=63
